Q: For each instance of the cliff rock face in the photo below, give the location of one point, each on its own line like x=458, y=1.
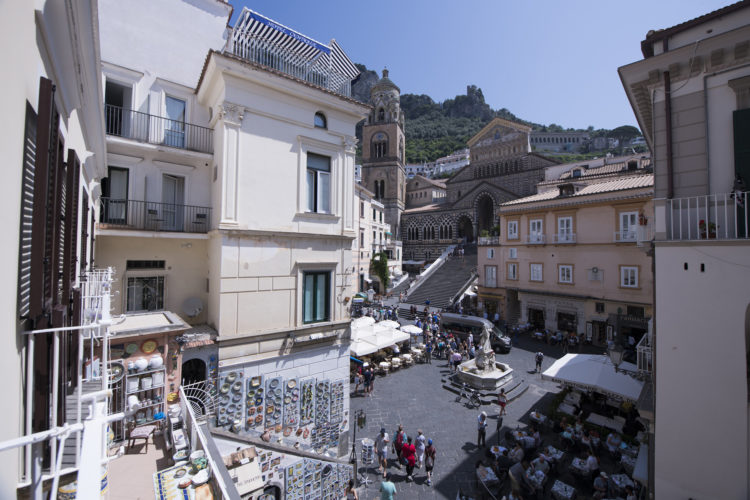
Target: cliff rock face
x=361, y=88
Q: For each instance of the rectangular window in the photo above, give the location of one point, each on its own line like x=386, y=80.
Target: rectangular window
x=535, y=272
x=513, y=253
x=361, y=238
x=361, y=208
x=565, y=230
x=490, y=276
x=599, y=307
x=628, y=277
x=565, y=274
x=144, y=264
x=316, y=296
x=490, y=253
x=636, y=311
x=374, y=214
x=513, y=230
x=536, y=233
x=115, y=196
x=381, y=216
x=318, y=183
x=145, y=293
x=628, y=226
x=512, y=271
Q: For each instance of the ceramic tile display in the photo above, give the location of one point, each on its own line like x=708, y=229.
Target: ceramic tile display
x=274, y=400
x=308, y=479
x=322, y=402
x=325, y=436
x=291, y=404
x=295, y=481
x=231, y=399
x=307, y=413
x=313, y=479
x=337, y=402
x=254, y=402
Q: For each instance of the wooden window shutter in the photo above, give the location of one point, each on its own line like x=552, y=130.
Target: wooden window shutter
x=93, y=239
x=27, y=213
x=84, y=232
x=73, y=168
x=46, y=152
x=57, y=232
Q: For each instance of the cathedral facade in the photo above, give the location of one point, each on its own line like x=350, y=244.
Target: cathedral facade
x=502, y=168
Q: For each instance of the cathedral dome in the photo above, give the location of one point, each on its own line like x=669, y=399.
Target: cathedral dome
x=385, y=83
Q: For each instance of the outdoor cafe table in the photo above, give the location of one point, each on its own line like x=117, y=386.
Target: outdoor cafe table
x=554, y=453
x=621, y=480
x=628, y=463
x=602, y=421
x=562, y=491
x=538, y=417
x=536, y=478
x=578, y=466
x=497, y=450
x=566, y=408
x=539, y=335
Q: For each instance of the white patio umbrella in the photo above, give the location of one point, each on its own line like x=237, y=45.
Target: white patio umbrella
x=390, y=323
x=411, y=329
x=597, y=373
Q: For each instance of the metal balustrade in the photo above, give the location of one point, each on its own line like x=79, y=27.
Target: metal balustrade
x=625, y=237
x=160, y=130
x=535, y=239
x=644, y=354
x=563, y=238
x=488, y=240
x=269, y=54
x=720, y=216
x=154, y=216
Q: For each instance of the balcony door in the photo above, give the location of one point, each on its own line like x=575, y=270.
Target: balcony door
x=115, y=191
x=628, y=225
x=174, y=130
x=565, y=229
x=118, y=100
x=536, y=233
x=173, y=202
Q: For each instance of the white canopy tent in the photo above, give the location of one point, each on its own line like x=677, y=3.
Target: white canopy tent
x=411, y=329
x=595, y=372
x=369, y=337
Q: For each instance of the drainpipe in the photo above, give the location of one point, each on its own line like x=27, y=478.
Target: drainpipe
x=668, y=112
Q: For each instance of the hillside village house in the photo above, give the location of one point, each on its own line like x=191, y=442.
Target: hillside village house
x=570, y=257
x=690, y=94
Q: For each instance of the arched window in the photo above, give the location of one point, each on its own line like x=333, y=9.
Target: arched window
x=381, y=115
x=379, y=145
x=320, y=120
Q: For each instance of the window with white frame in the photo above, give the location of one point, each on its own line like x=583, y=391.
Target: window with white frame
x=490, y=276
x=318, y=183
x=316, y=287
x=512, y=229
x=536, y=233
x=628, y=225
x=144, y=293
x=535, y=272
x=565, y=274
x=512, y=271
x=629, y=276
x=565, y=229
x=490, y=253
x=512, y=253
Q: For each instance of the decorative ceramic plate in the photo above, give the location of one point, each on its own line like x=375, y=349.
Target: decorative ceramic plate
x=292, y=384
x=269, y=410
x=131, y=348
x=149, y=346
x=184, y=483
x=287, y=400
x=255, y=381
x=259, y=419
x=225, y=388
x=251, y=411
x=274, y=383
x=287, y=431
x=306, y=433
x=231, y=377
x=299, y=432
x=180, y=472
x=237, y=386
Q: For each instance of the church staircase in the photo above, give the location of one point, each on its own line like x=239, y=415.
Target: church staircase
x=449, y=280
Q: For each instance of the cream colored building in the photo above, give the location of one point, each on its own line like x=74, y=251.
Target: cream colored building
x=690, y=96
x=421, y=191
x=374, y=236
x=569, y=257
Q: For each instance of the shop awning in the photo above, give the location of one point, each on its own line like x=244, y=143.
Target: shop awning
x=595, y=372
x=369, y=337
x=411, y=329
x=640, y=471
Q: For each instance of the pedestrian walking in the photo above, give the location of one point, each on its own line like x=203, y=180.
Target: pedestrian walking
x=367, y=375
x=428, y=352
x=502, y=400
x=409, y=454
x=420, y=445
x=387, y=488
x=398, y=444
x=351, y=493
x=539, y=358
x=357, y=379
x=481, y=429
x=429, y=460
x=381, y=447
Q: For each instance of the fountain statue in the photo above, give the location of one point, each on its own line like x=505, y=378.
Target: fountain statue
x=484, y=372
x=485, y=356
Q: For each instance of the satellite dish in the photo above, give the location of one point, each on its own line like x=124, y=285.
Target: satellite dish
x=595, y=270
x=192, y=307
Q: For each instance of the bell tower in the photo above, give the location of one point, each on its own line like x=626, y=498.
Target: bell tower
x=383, y=151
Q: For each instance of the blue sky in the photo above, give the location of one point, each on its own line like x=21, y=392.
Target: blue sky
x=547, y=61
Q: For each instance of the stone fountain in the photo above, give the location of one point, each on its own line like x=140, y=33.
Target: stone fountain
x=484, y=372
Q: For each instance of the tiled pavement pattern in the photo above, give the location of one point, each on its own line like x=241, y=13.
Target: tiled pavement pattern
x=414, y=397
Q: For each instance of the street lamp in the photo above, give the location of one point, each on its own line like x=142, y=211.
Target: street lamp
x=615, y=355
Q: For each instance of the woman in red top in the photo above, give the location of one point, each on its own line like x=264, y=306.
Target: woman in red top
x=409, y=453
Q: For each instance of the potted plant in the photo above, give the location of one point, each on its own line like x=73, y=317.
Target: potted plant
x=707, y=231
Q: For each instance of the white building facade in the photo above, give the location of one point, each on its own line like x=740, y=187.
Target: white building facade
x=690, y=95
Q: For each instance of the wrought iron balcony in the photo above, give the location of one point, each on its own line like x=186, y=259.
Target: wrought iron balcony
x=488, y=240
x=143, y=127
x=644, y=354
x=626, y=236
x=721, y=216
x=535, y=239
x=565, y=238
x=154, y=216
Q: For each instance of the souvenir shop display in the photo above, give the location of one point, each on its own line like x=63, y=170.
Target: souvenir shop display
x=274, y=400
x=337, y=402
x=254, y=402
x=307, y=408
x=322, y=402
x=231, y=399
x=291, y=405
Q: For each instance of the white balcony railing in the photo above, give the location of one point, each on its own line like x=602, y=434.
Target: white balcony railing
x=722, y=216
x=644, y=354
x=626, y=236
x=565, y=238
x=535, y=239
x=488, y=240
